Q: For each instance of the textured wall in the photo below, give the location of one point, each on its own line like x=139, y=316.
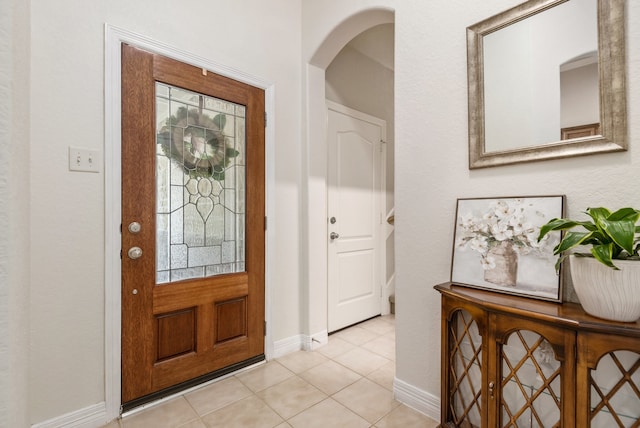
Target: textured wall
x=14, y=213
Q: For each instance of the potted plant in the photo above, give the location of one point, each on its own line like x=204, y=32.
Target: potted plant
x=606, y=280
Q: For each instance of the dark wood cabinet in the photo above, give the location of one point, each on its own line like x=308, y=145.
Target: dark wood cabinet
x=510, y=361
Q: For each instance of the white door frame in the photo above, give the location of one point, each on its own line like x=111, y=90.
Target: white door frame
x=114, y=37
x=382, y=229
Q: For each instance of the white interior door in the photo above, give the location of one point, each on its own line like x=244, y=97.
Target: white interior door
x=355, y=213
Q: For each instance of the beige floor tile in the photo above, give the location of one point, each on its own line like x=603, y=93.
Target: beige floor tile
x=384, y=376
x=249, y=412
x=361, y=361
x=283, y=425
x=265, y=376
x=167, y=415
x=367, y=399
x=328, y=413
x=330, y=377
x=112, y=424
x=378, y=325
x=217, y=395
x=391, y=335
x=356, y=335
x=335, y=347
x=403, y=416
x=383, y=345
x=194, y=424
x=301, y=361
x=292, y=396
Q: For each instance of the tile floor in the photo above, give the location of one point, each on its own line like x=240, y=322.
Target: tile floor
x=346, y=383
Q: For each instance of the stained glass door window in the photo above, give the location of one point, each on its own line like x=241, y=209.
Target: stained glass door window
x=200, y=185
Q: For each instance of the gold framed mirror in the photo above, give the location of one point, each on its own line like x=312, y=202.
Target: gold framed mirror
x=547, y=80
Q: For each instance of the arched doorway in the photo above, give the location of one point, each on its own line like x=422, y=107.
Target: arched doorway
x=314, y=205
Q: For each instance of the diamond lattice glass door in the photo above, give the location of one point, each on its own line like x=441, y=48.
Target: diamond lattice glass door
x=465, y=370
x=531, y=382
x=615, y=391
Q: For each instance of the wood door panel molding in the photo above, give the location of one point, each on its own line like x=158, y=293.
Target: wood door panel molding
x=193, y=78
x=182, y=368
x=194, y=292
x=231, y=320
x=176, y=334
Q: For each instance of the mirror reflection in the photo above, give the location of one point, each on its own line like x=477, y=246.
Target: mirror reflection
x=547, y=80
x=526, y=90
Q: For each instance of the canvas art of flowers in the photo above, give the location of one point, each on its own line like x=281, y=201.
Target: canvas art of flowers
x=506, y=229
x=496, y=245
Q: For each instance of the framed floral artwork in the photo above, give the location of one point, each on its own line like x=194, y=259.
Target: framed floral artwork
x=496, y=245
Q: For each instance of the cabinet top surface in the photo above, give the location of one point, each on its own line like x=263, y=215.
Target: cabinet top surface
x=570, y=315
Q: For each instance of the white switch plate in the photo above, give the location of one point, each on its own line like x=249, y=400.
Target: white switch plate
x=84, y=160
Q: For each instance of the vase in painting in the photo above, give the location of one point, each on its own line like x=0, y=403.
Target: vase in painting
x=505, y=259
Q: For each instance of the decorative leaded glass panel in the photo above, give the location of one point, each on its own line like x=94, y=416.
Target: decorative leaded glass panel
x=200, y=185
x=531, y=382
x=465, y=370
x=615, y=391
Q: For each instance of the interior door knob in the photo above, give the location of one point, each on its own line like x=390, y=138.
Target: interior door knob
x=135, y=252
x=334, y=235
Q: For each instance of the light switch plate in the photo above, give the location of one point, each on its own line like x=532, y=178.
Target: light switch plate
x=84, y=160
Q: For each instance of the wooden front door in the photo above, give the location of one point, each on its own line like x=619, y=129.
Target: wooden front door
x=192, y=225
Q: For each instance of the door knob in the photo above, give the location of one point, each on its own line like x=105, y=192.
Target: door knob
x=134, y=227
x=135, y=252
x=334, y=235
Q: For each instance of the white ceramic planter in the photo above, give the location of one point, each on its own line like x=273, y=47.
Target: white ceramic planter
x=605, y=292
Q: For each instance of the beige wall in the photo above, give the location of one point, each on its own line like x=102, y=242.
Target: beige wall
x=56, y=100
x=14, y=212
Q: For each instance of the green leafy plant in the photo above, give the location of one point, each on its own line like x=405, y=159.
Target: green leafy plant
x=611, y=235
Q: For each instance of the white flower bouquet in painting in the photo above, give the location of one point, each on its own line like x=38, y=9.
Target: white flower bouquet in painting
x=500, y=232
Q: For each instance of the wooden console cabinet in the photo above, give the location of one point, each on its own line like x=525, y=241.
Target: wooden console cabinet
x=510, y=361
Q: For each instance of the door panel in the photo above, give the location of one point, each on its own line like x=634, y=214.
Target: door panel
x=193, y=182
x=355, y=212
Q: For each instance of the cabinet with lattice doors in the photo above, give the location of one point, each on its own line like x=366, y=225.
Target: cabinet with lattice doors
x=511, y=361
x=608, y=376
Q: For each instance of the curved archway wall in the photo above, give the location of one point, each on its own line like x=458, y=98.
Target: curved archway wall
x=321, y=43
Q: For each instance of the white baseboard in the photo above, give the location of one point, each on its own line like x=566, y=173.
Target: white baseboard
x=316, y=340
x=90, y=417
x=417, y=399
x=299, y=342
x=287, y=346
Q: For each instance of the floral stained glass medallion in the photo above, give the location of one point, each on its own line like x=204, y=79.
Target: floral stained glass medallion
x=200, y=185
